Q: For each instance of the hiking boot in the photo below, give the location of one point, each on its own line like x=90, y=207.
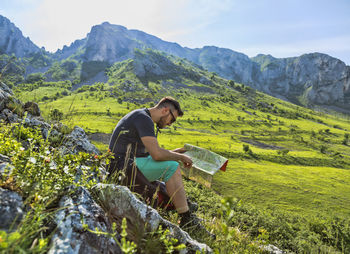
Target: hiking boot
x=191, y=223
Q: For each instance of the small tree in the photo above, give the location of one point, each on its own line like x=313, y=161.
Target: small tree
x=56, y=115
x=246, y=148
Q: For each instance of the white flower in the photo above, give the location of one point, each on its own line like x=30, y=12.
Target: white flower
x=53, y=165
x=32, y=160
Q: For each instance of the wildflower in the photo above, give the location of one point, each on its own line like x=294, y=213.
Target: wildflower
x=32, y=160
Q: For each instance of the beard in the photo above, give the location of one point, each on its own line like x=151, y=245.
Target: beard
x=162, y=122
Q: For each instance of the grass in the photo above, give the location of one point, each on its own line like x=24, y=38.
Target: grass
x=304, y=181
x=310, y=180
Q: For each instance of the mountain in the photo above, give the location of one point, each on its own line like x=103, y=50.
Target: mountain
x=309, y=80
x=316, y=78
x=12, y=40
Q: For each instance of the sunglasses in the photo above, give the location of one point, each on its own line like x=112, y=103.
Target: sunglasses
x=174, y=119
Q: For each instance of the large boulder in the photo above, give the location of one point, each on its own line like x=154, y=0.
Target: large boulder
x=5, y=95
x=77, y=141
x=71, y=237
x=119, y=203
x=11, y=209
x=32, y=108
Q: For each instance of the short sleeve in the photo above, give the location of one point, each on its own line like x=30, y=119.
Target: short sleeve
x=144, y=126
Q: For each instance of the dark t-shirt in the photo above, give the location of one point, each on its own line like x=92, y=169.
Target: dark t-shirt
x=129, y=130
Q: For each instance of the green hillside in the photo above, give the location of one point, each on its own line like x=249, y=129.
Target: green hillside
x=285, y=161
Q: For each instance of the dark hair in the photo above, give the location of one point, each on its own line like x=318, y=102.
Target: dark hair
x=170, y=101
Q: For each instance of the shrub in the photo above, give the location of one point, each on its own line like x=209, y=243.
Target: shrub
x=246, y=148
x=56, y=115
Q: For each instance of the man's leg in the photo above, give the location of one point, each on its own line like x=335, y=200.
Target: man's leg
x=176, y=191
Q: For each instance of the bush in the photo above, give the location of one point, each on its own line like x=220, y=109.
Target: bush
x=35, y=77
x=56, y=115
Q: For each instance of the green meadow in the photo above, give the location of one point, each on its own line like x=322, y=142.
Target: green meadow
x=287, y=179
x=298, y=160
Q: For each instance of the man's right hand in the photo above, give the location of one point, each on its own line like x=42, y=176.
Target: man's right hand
x=187, y=161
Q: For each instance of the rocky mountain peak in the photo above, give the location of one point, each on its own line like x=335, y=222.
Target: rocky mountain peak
x=12, y=40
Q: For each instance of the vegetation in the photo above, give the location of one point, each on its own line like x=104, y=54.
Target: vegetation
x=288, y=173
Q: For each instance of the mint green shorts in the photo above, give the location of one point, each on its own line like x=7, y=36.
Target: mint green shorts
x=156, y=170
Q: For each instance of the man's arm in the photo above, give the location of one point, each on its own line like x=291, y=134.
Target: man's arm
x=179, y=150
x=159, y=154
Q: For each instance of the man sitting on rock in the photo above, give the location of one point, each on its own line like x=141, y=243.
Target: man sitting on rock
x=134, y=141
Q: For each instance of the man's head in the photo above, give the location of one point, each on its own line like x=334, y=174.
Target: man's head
x=170, y=109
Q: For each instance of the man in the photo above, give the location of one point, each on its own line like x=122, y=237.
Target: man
x=134, y=140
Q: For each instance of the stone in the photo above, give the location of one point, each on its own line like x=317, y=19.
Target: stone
x=119, y=203
x=9, y=117
x=272, y=249
x=11, y=209
x=71, y=237
x=32, y=108
x=77, y=141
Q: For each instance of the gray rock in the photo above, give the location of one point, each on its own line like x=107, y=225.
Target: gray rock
x=4, y=158
x=11, y=209
x=71, y=237
x=273, y=249
x=5, y=94
x=77, y=141
x=119, y=202
x=9, y=117
x=32, y=108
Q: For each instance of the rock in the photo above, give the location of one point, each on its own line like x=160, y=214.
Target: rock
x=273, y=249
x=77, y=141
x=11, y=209
x=32, y=108
x=9, y=117
x=71, y=237
x=5, y=94
x=4, y=158
x=119, y=203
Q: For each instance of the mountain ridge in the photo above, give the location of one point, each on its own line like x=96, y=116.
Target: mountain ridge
x=308, y=80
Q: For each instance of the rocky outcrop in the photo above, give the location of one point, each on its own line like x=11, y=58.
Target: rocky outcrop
x=11, y=209
x=71, y=236
x=77, y=141
x=109, y=43
x=318, y=78
x=119, y=203
x=12, y=40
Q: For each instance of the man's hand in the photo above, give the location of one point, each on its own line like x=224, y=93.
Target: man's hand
x=187, y=161
x=180, y=150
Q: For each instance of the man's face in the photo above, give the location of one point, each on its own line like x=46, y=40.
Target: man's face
x=168, y=119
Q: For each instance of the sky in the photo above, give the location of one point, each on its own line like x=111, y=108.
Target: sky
x=281, y=28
